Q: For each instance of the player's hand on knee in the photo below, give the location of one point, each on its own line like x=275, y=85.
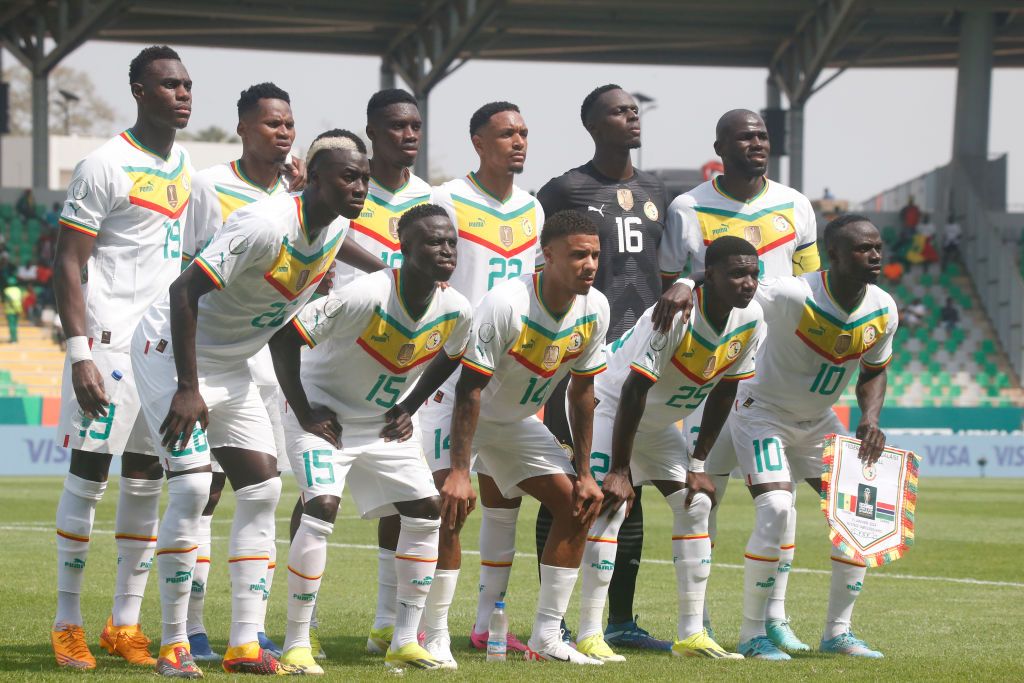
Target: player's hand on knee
x=617, y=491
x=89, y=390
x=324, y=423
x=699, y=482
x=397, y=424
x=187, y=408
x=678, y=297
x=586, y=500
x=458, y=499
x=872, y=442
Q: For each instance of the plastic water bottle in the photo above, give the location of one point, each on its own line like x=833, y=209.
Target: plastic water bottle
x=114, y=393
x=497, y=634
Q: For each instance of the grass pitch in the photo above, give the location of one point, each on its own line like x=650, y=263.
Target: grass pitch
x=952, y=609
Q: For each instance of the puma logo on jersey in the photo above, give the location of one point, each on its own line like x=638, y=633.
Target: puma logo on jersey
x=599, y=211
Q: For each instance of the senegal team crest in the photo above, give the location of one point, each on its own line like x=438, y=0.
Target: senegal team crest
x=843, y=344
x=393, y=227
x=575, y=342
x=709, y=367
x=527, y=227
x=433, y=340
x=625, y=198
x=650, y=210
x=405, y=354
x=733, y=349
x=752, y=233
x=506, y=236
x=870, y=335
x=551, y=354
x=780, y=224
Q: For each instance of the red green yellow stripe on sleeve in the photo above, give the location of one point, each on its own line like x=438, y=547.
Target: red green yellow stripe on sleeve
x=644, y=372
x=737, y=378
x=303, y=332
x=77, y=226
x=875, y=366
x=477, y=367
x=210, y=271
x=589, y=373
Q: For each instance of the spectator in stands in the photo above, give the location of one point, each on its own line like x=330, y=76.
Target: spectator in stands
x=915, y=313
x=12, y=306
x=53, y=215
x=910, y=216
x=26, y=205
x=27, y=273
x=827, y=194
x=951, y=241
x=950, y=316
x=893, y=271
x=7, y=269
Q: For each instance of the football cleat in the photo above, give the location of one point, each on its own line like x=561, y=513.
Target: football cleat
x=302, y=658
x=70, y=649
x=595, y=647
x=479, y=641
x=379, y=640
x=702, y=645
x=760, y=647
x=440, y=648
x=175, y=661
x=127, y=642
x=781, y=633
x=849, y=644
x=557, y=651
x=411, y=655
x=314, y=643
x=629, y=634
x=199, y=646
x=267, y=644
x=252, y=659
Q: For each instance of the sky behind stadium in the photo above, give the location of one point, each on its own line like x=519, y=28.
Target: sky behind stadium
x=865, y=132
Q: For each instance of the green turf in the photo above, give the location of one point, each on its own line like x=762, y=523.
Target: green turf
x=929, y=627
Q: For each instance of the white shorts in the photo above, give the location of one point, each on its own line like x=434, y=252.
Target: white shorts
x=379, y=473
x=238, y=417
x=774, y=448
x=123, y=429
x=657, y=455
x=436, y=422
x=273, y=401
x=512, y=453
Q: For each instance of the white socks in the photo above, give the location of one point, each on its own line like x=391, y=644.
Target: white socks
x=597, y=568
x=691, y=551
x=721, y=482
x=556, y=584
x=199, y=578
x=252, y=532
x=777, y=601
x=306, y=561
x=847, y=582
x=138, y=517
x=271, y=567
x=497, y=549
x=439, y=600
x=761, y=559
x=176, y=547
x=387, y=589
x=75, y=514
x=415, y=562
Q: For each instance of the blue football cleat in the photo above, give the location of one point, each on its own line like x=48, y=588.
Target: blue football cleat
x=849, y=644
x=760, y=647
x=781, y=633
x=629, y=634
x=267, y=644
x=199, y=645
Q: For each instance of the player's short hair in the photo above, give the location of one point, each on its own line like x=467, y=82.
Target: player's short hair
x=482, y=115
x=416, y=213
x=249, y=100
x=589, y=100
x=383, y=99
x=835, y=227
x=565, y=223
x=336, y=138
x=147, y=57
x=726, y=246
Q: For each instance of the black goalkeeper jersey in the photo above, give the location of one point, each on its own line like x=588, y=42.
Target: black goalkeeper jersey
x=630, y=217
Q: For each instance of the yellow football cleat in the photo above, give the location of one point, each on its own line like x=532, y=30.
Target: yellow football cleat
x=70, y=649
x=379, y=640
x=314, y=643
x=413, y=656
x=128, y=642
x=302, y=658
x=596, y=648
x=702, y=645
x=175, y=661
x=252, y=659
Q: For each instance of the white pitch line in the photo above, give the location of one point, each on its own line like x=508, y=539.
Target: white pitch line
x=722, y=565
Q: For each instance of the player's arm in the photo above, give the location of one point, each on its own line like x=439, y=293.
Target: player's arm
x=678, y=296
x=286, y=352
x=632, y=403
x=871, y=385
x=716, y=410
x=357, y=257
x=457, y=496
x=70, y=259
x=398, y=419
x=587, y=496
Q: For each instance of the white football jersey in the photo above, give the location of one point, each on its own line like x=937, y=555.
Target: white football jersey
x=526, y=350
x=498, y=240
x=813, y=345
x=264, y=268
x=133, y=201
x=779, y=221
x=685, y=364
x=376, y=229
x=366, y=329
